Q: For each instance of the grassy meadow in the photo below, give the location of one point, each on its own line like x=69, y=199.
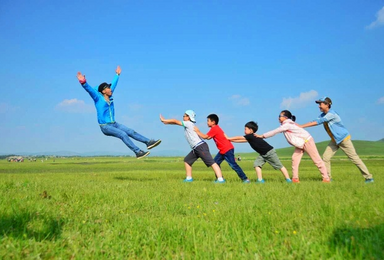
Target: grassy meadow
x=124, y=208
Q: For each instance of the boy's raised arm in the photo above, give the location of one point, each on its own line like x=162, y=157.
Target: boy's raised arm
x=170, y=121
x=92, y=92
x=81, y=78
x=115, y=78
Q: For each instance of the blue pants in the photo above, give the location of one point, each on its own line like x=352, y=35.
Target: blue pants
x=123, y=132
x=230, y=158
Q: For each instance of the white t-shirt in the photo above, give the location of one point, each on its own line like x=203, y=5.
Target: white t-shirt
x=190, y=134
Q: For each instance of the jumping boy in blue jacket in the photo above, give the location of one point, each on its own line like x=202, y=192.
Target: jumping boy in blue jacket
x=102, y=96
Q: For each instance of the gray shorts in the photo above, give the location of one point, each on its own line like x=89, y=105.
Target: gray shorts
x=271, y=158
x=201, y=151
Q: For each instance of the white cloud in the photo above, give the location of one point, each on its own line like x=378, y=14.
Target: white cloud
x=380, y=101
x=74, y=106
x=300, y=101
x=379, y=20
x=239, y=100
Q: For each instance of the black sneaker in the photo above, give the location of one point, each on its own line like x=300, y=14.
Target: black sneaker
x=153, y=143
x=141, y=154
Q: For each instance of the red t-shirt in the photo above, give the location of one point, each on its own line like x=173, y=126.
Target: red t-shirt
x=222, y=143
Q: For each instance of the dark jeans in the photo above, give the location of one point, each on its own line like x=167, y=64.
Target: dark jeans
x=230, y=158
x=123, y=132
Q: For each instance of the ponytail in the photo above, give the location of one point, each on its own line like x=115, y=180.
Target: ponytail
x=289, y=115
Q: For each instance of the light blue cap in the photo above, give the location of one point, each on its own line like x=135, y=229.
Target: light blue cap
x=325, y=100
x=192, y=115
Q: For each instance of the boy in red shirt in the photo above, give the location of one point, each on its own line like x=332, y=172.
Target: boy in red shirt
x=226, y=149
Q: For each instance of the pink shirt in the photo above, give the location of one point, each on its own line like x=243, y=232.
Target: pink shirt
x=295, y=135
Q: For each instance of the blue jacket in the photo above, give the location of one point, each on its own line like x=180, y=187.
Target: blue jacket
x=105, y=110
x=333, y=125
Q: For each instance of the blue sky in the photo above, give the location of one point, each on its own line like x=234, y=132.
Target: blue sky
x=243, y=60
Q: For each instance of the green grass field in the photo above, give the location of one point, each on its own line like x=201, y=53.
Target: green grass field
x=123, y=208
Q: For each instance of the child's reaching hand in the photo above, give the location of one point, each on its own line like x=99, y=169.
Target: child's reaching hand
x=162, y=118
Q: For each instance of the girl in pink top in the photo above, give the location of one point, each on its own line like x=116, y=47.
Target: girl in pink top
x=302, y=141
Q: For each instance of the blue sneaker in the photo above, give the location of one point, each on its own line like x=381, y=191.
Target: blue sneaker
x=288, y=180
x=246, y=181
x=186, y=180
x=217, y=181
x=261, y=181
x=368, y=180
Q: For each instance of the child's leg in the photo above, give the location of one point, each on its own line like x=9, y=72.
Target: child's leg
x=219, y=158
x=349, y=150
x=259, y=173
x=132, y=133
x=112, y=130
x=311, y=149
x=258, y=165
x=217, y=170
x=296, y=158
x=202, y=151
x=188, y=161
x=285, y=173
x=272, y=158
x=230, y=158
x=188, y=170
x=329, y=152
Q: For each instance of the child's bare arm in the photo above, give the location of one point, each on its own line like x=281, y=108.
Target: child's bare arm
x=170, y=121
x=204, y=136
x=237, y=139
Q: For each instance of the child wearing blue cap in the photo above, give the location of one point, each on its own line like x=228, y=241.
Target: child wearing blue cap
x=200, y=148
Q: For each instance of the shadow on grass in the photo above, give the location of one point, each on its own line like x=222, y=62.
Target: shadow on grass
x=27, y=225
x=358, y=243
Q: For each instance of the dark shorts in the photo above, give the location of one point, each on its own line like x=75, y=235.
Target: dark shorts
x=201, y=151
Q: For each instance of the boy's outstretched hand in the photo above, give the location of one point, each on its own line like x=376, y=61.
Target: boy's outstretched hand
x=162, y=119
x=81, y=77
x=118, y=70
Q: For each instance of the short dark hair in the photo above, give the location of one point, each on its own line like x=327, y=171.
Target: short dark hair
x=289, y=115
x=252, y=125
x=214, y=117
